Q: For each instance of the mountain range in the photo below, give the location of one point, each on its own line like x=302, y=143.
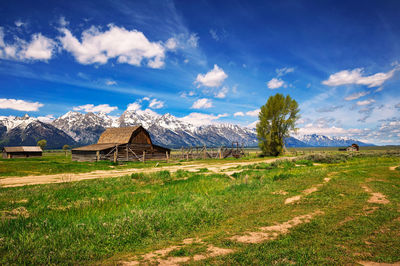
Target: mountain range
x=76, y=129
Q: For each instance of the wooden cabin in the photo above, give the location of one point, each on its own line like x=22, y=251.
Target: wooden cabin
x=22, y=152
x=122, y=144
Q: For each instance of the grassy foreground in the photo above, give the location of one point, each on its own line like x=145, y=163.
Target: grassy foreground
x=109, y=220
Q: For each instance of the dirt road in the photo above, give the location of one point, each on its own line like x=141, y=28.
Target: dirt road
x=17, y=181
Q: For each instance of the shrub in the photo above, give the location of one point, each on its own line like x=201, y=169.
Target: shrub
x=304, y=162
x=281, y=176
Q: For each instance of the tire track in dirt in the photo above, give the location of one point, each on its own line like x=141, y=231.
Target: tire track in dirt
x=309, y=190
x=273, y=231
x=161, y=256
x=18, y=181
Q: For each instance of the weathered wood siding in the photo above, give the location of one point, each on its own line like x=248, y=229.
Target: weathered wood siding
x=10, y=155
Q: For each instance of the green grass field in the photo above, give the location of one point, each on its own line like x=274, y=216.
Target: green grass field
x=106, y=221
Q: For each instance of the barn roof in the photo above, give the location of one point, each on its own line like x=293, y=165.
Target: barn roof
x=117, y=135
x=95, y=147
x=23, y=149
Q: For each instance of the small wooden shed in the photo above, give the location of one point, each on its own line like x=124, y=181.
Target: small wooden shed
x=122, y=144
x=22, y=152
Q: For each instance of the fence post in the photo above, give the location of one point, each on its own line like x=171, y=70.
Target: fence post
x=166, y=155
x=97, y=156
x=144, y=156
x=204, y=152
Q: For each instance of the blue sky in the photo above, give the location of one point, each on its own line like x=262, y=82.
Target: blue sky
x=207, y=61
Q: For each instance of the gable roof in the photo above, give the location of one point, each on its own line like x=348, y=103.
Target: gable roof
x=117, y=135
x=23, y=149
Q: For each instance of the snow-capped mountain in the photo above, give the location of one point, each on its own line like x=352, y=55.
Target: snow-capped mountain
x=315, y=140
x=167, y=130
x=84, y=128
x=30, y=131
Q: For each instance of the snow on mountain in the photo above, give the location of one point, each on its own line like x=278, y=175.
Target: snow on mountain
x=11, y=122
x=326, y=141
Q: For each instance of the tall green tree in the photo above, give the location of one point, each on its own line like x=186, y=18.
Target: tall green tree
x=276, y=119
x=42, y=143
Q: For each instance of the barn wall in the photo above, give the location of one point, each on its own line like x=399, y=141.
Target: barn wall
x=141, y=138
x=21, y=154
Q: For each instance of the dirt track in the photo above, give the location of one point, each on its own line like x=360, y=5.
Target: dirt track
x=18, y=181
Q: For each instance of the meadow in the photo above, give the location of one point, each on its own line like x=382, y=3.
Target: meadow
x=116, y=220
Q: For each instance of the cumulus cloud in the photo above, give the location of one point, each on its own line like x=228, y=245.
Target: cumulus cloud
x=356, y=95
x=366, y=102
x=283, y=71
x=38, y=48
x=101, y=108
x=171, y=44
x=126, y=46
x=275, y=83
x=355, y=76
x=213, y=78
x=253, y=113
x=134, y=106
x=46, y=119
x=203, y=103
x=238, y=114
x=221, y=93
x=19, y=105
x=156, y=104
x=199, y=119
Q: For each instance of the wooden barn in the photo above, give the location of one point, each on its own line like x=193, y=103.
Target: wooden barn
x=22, y=152
x=122, y=144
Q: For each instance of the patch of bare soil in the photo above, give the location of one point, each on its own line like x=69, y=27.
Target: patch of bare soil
x=346, y=220
x=15, y=213
x=392, y=168
x=160, y=257
x=18, y=181
x=376, y=197
x=372, y=263
x=273, y=231
x=307, y=191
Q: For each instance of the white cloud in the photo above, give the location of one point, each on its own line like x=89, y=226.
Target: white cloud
x=19, y=23
x=156, y=104
x=131, y=47
x=19, y=105
x=111, y=82
x=193, y=40
x=203, y=103
x=199, y=119
x=238, y=114
x=366, y=102
x=283, y=71
x=145, y=99
x=379, y=89
x=186, y=61
x=222, y=93
x=356, y=95
x=39, y=48
x=103, y=108
x=213, y=78
x=63, y=22
x=253, y=113
x=275, y=83
x=46, y=119
x=171, y=44
x=133, y=106
x=355, y=76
